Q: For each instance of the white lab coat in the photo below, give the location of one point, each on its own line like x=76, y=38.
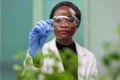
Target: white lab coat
x=87, y=68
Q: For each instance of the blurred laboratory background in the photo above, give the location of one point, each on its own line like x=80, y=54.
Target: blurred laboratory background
x=100, y=18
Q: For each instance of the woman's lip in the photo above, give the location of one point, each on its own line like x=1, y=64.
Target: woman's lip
x=63, y=32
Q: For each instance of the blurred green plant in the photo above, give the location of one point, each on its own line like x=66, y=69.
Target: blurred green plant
x=31, y=73
x=111, y=59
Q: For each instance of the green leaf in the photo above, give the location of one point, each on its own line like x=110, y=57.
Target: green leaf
x=118, y=30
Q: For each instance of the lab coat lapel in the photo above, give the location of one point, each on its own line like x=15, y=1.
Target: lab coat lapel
x=53, y=47
x=82, y=62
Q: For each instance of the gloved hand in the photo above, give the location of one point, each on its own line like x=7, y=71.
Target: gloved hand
x=38, y=36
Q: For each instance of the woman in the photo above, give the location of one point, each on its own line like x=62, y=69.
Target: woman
x=65, y=18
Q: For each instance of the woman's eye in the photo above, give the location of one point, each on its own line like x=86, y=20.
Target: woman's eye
x=57, y=20
x=71, y=20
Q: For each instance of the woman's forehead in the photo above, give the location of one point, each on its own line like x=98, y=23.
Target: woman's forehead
x=64, y=10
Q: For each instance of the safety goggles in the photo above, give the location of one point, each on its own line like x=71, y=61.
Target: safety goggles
x=69, y=20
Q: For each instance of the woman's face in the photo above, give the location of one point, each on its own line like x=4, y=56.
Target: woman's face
x=65, y=25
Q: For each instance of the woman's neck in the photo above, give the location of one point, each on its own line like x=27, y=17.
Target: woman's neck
x=65, y=41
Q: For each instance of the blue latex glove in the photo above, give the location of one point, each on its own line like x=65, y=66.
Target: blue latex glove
x=38, y=35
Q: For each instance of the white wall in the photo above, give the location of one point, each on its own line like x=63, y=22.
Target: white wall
x=37, y=11
x=101, y=20
x=0, y=28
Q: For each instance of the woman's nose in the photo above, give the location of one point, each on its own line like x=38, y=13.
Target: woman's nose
x=64, y=23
